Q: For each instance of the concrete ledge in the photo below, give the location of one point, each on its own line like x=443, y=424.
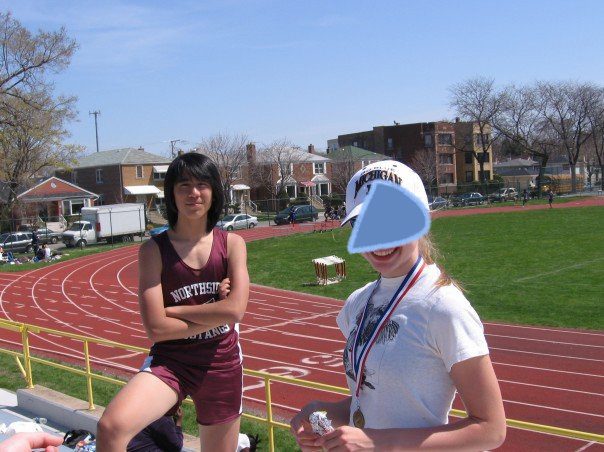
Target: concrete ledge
x=72, y=413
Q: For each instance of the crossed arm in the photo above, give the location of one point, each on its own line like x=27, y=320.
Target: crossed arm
x=178, y=322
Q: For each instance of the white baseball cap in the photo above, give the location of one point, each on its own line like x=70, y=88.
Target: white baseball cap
x=386, y=170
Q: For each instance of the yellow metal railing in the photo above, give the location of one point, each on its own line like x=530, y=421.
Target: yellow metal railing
x=26, y=370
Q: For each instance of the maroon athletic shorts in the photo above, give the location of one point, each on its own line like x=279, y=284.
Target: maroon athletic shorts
x=217, y=393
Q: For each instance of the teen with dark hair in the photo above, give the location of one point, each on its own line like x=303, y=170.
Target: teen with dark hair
x=191, y=317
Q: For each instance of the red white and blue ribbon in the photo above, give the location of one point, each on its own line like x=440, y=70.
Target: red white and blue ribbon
x=359, y=354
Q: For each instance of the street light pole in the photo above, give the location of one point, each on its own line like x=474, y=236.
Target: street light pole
x=96, y=128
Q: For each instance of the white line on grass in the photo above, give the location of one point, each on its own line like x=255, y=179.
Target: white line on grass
x=540, y=275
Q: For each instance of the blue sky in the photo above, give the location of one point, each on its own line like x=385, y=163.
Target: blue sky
x=303, y=70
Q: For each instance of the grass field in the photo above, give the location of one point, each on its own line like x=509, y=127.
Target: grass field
x=75, y=386
x=541, y=267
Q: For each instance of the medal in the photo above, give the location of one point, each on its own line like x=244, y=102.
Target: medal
x=358, y=419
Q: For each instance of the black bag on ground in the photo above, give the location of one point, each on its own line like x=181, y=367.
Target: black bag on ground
x=73, y=437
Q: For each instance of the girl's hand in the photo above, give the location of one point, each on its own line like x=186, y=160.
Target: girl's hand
x=302, y=430
x=347, y=438
x=224, y=288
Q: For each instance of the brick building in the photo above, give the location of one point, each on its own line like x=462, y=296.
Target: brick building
x=446, y=144
x=121, y=175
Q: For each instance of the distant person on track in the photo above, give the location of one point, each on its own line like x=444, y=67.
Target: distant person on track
x=525, y=197
x=412, y=341
x=196, y=348
x=550, y=198
x=35, y=242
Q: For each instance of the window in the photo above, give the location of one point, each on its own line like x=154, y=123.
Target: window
x=481, y=140
x=483, y=156
x=139, y=171
x=355, y=143
x=445, y=138
x=446, y=159
x=468, y=157
x=291, y=191
x=158, y=176
x=323, y=189
x=487, y=175
x=469, y=176
x=289, y=169
x=99, y=176
x=319, y=168
x=390, y=143
x=447, y=178
x=428, y=140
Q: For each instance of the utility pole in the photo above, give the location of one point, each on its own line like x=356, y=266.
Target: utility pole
x=96, y=127
x=172, y=143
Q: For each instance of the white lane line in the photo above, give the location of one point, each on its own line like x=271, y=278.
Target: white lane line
x=550, y=388
x=543, y=340
x=266, y=309
x=581, y=449
x=21, y=315
x=129, y=355
x=548, y=370
x=553, y=408
x=305, y=350
x=140, y=337
x=112, y=332
x=86, y=327
x=91, y=282
x=545, y=354
x=561, y=269
x=287, y=333
x=87, y=305
x=537, y=328
x=303, y=319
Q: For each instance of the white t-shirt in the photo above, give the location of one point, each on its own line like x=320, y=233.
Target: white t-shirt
x=407, y=370
x=46, y=253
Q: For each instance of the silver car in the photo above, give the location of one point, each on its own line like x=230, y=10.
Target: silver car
x=237, y=221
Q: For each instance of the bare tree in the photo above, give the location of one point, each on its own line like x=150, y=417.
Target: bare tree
x=31, y=140
x=565, y=107
x=477, y=101
x=32, y=121
x=228, y=152
x=595, y=116
x=274, y=166
x=424, y=164
x=25, y=59
x=520, y=121
x=343, y=168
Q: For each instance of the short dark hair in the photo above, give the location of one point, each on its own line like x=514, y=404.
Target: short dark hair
x=202, y=168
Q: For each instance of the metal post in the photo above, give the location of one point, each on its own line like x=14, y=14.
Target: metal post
x=111, y=227
x=269, y=414
x=96, y=128
x=26, y=357
x=88, y=377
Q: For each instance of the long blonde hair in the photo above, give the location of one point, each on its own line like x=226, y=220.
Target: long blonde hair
x=430, y=254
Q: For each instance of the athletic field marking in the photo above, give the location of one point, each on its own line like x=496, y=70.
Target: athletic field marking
x=129, y=355
x=553, y=408
x=314, y=352
x=287, y=322
x=287, y=333
x=91, y=282
x=544, y=340
x=549, y=370
x=119, y=278
x=597, y=394
x=140, y=337
x=540, y=275
x=304, y=366
x=581, y=449
x=300, y=311
x=507, y=325
x=546, y=354
x=112, y=332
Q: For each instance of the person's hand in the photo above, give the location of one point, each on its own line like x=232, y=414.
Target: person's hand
x=25, y=442
x=224, y=288
x=346, y=438
x=302, y=430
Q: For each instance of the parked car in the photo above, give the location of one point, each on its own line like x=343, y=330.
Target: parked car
x=45, y=235
x=301, y=213
x=467, y=199
x=437, y=203
x=504, y=194
x=158, y=230
x=237, y=221
x=17, y=242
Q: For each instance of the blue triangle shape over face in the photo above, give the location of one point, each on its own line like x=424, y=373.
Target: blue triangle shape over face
x=391, y=216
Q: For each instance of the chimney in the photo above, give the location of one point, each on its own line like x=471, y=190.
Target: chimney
x=181, y=152
x=250, y=152
x=311, y=149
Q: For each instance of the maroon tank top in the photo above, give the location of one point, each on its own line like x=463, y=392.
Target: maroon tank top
x=184, y=285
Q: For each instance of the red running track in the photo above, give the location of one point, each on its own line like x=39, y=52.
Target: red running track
x=548, y=376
